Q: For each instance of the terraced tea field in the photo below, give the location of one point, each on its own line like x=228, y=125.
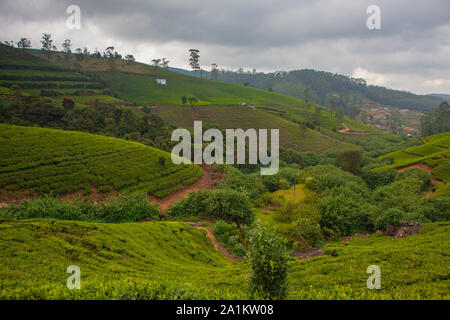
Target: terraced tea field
x=58, y=162
x=229, y=117
x=173, y=260
x=434, y=154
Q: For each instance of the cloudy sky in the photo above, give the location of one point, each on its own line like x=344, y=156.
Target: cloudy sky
x=410, y=52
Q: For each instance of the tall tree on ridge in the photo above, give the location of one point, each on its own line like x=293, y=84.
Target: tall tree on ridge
x=194, y=59
x=47, y=44
x=23, y=43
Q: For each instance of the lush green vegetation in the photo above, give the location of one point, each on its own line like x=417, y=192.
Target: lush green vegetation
x=436, y=121
x=123, y=208
x=223, y=204
x=52, y=161
x=269, y=261
x=322, y=85
x=229, y=236
x=434, y=153
x=172, y=260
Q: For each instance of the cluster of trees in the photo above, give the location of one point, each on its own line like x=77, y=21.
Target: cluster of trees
x=162, y=63
x=436, y=121
x=121, y=122
x=49, y=47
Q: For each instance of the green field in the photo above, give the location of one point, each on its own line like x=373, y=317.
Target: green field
x=228, y=117
x=434, y=152
x=58, y=162
x=172, y=260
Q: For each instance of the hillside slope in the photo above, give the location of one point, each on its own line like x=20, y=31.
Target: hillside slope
x=38, y=160
x=323, y=84
x=172, y=260
x=432, y=156
x=120, y=82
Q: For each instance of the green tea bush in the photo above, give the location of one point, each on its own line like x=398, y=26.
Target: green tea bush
x=269, y=259
x=123, y=208
x=391, y=216
x=226, y=204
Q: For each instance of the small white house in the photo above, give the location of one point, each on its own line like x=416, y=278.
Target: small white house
x=161, y=81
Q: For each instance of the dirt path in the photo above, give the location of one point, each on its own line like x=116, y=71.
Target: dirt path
x=347, y=130
x=424, y=167
x=207, y=181
x=217, y=245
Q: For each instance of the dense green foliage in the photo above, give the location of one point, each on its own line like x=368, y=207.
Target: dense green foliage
x=348, y=206
x=267, y=253
x=172, y=260
x=49, y=161
x=124, y=208
x=228, y=235
x=436, y=121
x=225, y=204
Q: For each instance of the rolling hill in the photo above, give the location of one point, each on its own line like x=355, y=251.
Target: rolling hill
x=173, y=260
x=40, y=161
x=120, y=82
x=323, y=84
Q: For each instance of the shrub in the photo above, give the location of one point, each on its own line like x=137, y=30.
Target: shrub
x=224, y=204
x=68, y=103
x=345, y=211
x=250, y=184
x=349, y=161
x=269, y=260
x=376, y=179
x=127, y=208
x=228, y=235
x=322, y=177
x=391, y=216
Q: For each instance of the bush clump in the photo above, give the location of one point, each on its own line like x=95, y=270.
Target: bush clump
x=226, y=204
x=269, y=259
x=391, y=216
x=124, y=208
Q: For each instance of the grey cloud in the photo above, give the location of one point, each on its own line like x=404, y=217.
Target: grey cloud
x=270, y=35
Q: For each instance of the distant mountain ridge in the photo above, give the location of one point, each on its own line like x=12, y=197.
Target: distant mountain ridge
x=441, y=96
x=350, y=92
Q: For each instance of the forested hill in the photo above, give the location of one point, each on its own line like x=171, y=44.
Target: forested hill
x=350, y=92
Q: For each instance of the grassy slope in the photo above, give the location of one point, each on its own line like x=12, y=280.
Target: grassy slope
x=137, y=260
x=48, y=160
x=226, y=117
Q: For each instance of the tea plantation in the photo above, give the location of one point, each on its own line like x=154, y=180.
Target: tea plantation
x=55, y=161
x=172, y=260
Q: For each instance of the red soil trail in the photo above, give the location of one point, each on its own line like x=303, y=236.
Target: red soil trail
x=207, y=181
x=347, y=130
x=217, y=245
x=423, y=167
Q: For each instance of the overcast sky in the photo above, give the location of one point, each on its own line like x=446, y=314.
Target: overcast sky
x=410, y=52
